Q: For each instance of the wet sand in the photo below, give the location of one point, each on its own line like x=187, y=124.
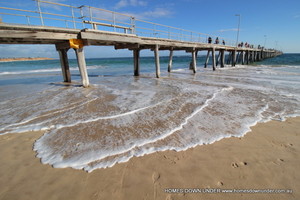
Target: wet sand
x=266, y=158
x=23, y=59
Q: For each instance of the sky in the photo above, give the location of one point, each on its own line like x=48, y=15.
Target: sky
x=273, y=23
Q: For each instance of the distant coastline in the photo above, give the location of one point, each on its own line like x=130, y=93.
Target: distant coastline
x=23, y=59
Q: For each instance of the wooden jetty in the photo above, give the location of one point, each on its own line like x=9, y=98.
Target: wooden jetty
x=73, y=38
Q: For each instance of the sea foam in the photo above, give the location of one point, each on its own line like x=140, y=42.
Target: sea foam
x=122, y=117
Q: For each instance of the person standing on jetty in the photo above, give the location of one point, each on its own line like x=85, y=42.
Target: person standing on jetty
x=209, y=40
x=217, y=40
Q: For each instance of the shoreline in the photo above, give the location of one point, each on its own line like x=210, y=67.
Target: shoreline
x=267, y=157
x=23, y=59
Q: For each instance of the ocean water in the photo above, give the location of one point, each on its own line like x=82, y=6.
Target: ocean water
x=121, y=116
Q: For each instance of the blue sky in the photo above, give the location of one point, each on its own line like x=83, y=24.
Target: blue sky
x=275, y=23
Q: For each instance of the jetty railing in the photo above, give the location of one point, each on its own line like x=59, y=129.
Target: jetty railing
x=45, y=13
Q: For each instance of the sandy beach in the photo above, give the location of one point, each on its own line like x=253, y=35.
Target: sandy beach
x=266, y=158
x=140, y=100
x=23, y=59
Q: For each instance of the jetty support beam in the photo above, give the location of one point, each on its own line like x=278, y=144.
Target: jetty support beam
x=218, y=58
x=82, y=67
x=259, y=55
x=229, y=57
x=64, y=62
x=251, y=57
x=233, y=58
x=214, y=59
x=194, y=60
x=238, y=56
x=136, y=62
x=157, y=64
x=170, y=60
x=207, y=59
x=191, y=63
x=243, y=57
x=222, y=58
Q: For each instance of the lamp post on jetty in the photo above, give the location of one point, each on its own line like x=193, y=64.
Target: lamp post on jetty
x=238, y=31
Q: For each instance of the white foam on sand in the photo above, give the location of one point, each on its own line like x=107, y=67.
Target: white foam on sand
x=111, y=122
x=56, y=161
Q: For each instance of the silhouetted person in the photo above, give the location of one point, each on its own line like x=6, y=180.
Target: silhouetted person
x=209, y=40
x=223, y=42
x=217, y=41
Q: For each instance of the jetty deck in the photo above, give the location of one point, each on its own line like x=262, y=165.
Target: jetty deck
x=77, y=38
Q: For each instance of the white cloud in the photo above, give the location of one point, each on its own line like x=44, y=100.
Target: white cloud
x=226, y=30
x=125, y=3
x=138, y=3
x=121, y=4
x=156, y=13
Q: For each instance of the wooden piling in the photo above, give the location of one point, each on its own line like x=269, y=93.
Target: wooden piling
x=218, y=58
x=214, y=59
x=243, y=57
x=261, y=55
x=222, y=58
x=207, y=59
x=194, y=60
x=238, y=57
x=229, y=58
x=170, y=60
x=233, y=58
x=136, y=61
x=157, y=64
x=191, y=63
x=82, y=67
x=251, y=57
x=64, y=62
